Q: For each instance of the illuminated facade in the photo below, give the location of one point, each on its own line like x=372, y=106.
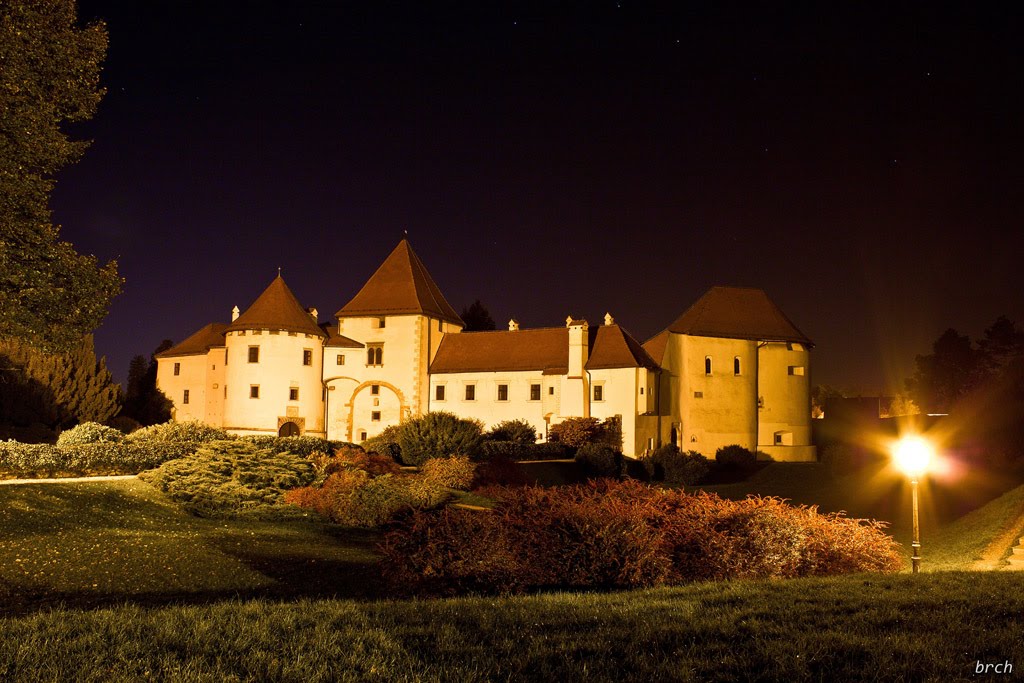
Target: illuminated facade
x=732, y=369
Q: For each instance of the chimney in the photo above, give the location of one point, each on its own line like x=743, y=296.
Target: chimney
x=578, y=346
x=234, y=314
x=313, y=312
x=608, y=319
x=513, y=325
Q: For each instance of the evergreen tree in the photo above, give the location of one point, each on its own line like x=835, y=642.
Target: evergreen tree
x=50, y=295
x=55, y=389
x=477, y=317
x=143, y=401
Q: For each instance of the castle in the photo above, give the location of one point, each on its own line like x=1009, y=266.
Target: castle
x=732, y=369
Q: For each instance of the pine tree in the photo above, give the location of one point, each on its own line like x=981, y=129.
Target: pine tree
x=144, y=402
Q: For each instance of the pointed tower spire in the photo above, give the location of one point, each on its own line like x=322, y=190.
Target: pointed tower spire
x=401, y=285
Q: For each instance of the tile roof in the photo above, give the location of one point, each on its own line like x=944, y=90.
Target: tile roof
x=277, y=309
x=655, y=346
x=339, y=340
x=537, y=349
x=203, y=340
x=614, y=347
x=736, y=313
x=401, y=285
x=544, y=349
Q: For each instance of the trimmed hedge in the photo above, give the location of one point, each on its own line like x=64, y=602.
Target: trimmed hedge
x=510, y=450
x=297, y=445
x=189, y=432
x=125, y=457
x=89, y=432
x=621, y=535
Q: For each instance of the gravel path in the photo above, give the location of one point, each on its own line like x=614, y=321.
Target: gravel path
x=69, y=480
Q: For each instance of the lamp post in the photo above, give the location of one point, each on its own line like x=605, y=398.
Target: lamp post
x=912, y=455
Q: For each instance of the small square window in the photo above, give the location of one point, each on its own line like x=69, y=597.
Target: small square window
x=307, y=357
x=551, y=391
x=177, y=369
x=381, y=323
x=439, y=392
x=254, y=354
x=254, y=391
x=502, y=392
x=796, y=369
x=341, y=359
x=534, y=392
x=362, y=435
x=598, y=392
x=375, y=389
x=470, y=392
x=641, y=391
x=293, y=394
x=184, y=399
x=698, y=394
x=375, y=416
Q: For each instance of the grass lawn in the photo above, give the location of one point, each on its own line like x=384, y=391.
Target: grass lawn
x=935, y=627
x=94, y=543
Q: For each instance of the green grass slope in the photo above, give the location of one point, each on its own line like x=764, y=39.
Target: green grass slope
x=922, y=628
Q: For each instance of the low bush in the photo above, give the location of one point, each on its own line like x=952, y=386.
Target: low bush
x=297, y=445
x=577, y=431
x=186, y=432
x=438, y=435
x=353, y=498
x=89, y=432
x=548, y=450
x=599, y=460
x=105, y=457
x=624, y=535
x=509, y=450
x=353, y=457
x=233, y=479
x=385, y=443
x=453, y=473
x=735, y=457
x=516, y=431
x=672, y=466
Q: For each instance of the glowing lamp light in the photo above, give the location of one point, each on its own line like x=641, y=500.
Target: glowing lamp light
x=912, y=455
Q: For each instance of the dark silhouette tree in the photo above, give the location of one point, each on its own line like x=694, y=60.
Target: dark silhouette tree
x=477, y=317
x=50, y=295
x=144, y=402
x=948, y=374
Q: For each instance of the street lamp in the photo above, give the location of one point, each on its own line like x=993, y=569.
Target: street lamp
x=912, y=455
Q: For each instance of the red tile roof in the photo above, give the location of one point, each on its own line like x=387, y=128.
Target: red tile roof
x=277, y=309
x=614, y=347
x=401, y=285
x=339, y=340
x=203, y=340
x=736, y=313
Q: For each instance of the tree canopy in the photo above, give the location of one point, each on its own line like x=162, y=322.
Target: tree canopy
x=50, y=295
x=477, y=317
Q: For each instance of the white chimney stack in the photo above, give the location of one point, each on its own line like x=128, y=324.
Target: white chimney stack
x=313, y=312
x=234, y=314
x=513, y=325
x=608, y=319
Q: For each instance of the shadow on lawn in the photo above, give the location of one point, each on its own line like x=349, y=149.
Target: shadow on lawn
x=296, y=573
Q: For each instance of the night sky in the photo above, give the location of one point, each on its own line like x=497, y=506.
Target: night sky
x=863, y=166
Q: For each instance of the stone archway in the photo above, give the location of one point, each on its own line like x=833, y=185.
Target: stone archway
x=288, y=429
x=403, y=407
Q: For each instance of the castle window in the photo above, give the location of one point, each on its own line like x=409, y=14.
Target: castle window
x=184, y=398
x=375, y=354
x=254, y=391
x=177, y=369
x=470, y=392
x=381, y=323
x=375, y=416
x=293, y=394
x=225, y=356
x=439, y=392
x=796, y=370
x=341, y=359
x=375, y=389
x=307, y=357
x=362, y=435
x=534, y=392
x=707, y=365
x=440, y=325
x=698, y=394
x=551, y=391
x=254, y=354
x=598, y=392
x=641, y=391
x=502, y=392
x=225, y=391
x=736, y=365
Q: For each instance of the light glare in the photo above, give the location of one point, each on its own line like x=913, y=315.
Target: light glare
x=912, y=455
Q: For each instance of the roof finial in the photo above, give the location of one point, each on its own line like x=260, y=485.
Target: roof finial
x=279, y=271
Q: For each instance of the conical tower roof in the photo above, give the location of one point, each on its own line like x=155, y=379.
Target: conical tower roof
x=738, y=313
x=400, y=286
x=276, y=309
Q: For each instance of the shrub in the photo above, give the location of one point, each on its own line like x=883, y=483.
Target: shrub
x=599, y=460
x=385, y=443
x=438, y=435
x=577, y=431
x=353, y=457
x=673, y=466
x=124, y=424
x=89, y=432
x=232, y=479
x=510, y=450
x=499, y=471
x=736, y=457
x=516, y=431
x=353, y=498
x=103, y=457
x=453, y=473
x=187, y=432
x=297, y=445
x=548, y=450
x=623, y=535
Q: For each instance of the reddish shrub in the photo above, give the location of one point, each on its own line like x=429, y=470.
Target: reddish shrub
x=348, y=458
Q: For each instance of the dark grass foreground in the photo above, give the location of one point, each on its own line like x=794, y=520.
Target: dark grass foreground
x=902, y=627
